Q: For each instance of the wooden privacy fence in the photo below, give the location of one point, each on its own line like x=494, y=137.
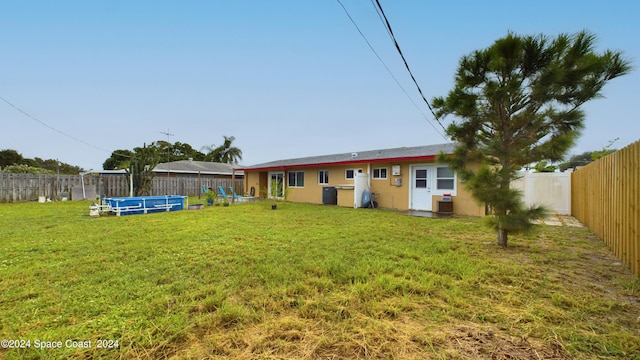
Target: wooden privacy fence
x=192, y=186
x=605, y=196
x=30, y=187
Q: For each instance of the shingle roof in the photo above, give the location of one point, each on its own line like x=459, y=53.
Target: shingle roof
x=203, y=167
x=395, y=154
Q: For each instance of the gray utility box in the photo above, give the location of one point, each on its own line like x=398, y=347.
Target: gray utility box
x=329, y=195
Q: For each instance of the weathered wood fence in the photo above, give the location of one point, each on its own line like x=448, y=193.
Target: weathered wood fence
x=605, y=196
x=29, y=187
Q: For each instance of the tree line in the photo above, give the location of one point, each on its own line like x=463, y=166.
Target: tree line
x=163, y=151
x=11, y=161
x=140, y=162
x=147, y=156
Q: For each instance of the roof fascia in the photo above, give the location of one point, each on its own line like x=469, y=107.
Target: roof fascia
x=338, y=163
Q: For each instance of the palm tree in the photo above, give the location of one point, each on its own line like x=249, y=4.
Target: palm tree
x=224, y=153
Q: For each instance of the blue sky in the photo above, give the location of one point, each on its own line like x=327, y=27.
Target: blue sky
x=286, y=78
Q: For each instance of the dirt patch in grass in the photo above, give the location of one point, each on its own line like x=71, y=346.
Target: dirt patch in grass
x=471, y=342
x=294, y=338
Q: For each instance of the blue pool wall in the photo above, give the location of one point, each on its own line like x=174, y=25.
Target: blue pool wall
x=145, y=204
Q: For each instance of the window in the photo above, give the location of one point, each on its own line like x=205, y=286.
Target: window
x=296, y=179
x=380, y=173
x=421, y=179
x=445, y=178
x=323, y=177
x=350, y=174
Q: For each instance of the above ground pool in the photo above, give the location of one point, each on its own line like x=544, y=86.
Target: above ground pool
x=143, y=204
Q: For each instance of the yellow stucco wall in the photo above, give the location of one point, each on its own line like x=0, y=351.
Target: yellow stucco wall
x=251, y=179
x=391, y=193
x=463, y=202
x=312, y=191
x=345, y=197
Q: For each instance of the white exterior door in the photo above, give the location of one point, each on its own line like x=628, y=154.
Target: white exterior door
x=276, y=185
x=420, y=197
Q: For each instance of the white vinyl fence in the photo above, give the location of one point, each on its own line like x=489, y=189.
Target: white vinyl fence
x=553, y=190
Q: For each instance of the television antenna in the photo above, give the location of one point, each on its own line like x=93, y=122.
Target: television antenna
x=168, y=150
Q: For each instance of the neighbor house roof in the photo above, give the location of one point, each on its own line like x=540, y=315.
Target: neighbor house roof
x=112, y=172
x=195, y=167
x=428, y=152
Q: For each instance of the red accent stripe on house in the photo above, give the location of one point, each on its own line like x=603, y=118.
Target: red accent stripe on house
x=347, y=162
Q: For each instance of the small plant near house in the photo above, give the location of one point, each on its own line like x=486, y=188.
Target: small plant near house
x=277, y=192
x=225, y=202
x=211, y=197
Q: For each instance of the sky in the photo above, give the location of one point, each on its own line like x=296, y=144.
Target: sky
x=288, y=79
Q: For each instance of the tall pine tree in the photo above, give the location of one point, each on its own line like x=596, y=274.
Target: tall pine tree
x=518, y=102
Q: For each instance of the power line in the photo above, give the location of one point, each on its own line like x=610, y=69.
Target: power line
x=381, y=19
x=59, y=131
x=49, y=126
x=395, y=42
x=389, y=70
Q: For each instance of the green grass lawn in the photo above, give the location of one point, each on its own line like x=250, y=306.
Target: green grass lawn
x=305, y=281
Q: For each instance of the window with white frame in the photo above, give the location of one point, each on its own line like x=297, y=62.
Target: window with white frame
x=445, y=178
x=296, y=179
x=379, y=173
x=350, y=174
x=323, y=177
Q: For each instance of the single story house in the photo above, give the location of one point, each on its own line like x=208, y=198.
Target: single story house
x=203, y=169
x=407, y=178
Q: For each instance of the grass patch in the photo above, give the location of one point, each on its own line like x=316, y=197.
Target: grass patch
x=306, y=281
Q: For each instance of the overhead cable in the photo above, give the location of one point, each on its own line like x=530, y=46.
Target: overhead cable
x=389, y=70
x=406, y=64
x=57, y=130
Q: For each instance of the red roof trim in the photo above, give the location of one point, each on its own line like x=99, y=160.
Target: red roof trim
x=337, y=163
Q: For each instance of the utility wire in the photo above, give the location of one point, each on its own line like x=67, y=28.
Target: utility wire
x=56, y=130
x=381, y=19
x=395, y=42
x=389, y=70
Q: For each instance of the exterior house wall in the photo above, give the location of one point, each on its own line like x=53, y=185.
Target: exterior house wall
x=252, y=179
x=312, y=190
x=388, y=192
x=463, y=202
x=392, y=192
x=310, y=193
